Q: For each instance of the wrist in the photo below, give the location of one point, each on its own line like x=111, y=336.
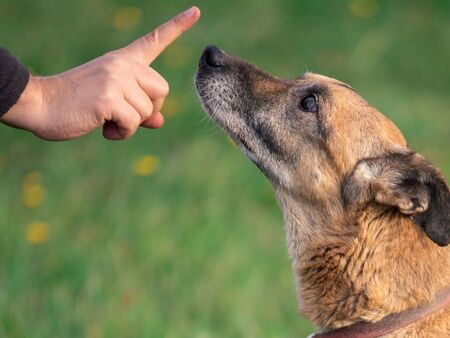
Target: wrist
x=27, y=112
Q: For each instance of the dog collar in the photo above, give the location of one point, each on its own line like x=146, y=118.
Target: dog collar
x=390, y=323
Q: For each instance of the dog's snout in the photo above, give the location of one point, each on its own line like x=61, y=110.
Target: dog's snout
x=212, y=57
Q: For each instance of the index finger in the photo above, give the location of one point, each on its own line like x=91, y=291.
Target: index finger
x=148, y=47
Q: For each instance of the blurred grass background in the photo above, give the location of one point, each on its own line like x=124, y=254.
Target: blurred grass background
x=174, y=233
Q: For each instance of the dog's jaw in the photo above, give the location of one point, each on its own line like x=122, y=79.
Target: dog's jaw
x=220, y=96
x=216, y=94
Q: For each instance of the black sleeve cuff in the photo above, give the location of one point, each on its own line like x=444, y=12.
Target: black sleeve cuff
x=14, y=78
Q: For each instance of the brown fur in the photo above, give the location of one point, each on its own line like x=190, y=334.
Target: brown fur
x=363, y=213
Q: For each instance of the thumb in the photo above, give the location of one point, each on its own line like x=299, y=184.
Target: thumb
x=148, y=47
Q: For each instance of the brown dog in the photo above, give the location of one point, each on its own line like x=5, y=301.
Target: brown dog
x=367, y=219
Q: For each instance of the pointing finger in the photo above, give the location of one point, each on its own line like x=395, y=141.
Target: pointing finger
x=148, y=47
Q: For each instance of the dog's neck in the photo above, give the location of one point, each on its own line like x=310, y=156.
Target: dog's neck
x=352, y=268
x=396, y=323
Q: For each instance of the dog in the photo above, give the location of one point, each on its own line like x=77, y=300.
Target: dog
x=367, y=219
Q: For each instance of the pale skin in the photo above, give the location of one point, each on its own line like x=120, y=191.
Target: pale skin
x=118, y=91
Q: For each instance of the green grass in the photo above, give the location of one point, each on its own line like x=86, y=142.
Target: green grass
x=196, y=249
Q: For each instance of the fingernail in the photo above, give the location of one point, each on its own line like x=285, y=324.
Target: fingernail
x=190, y=12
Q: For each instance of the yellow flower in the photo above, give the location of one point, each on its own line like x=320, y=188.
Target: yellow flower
x=34, y=196
x=127, y=17
x=33, y=191
x=364, y=8
x=177, y=56
x=146, y=165
x=37, y=232
x=33, y=178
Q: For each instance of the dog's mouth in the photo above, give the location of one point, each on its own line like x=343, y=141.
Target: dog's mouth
x=226, y=87
x=221, y=93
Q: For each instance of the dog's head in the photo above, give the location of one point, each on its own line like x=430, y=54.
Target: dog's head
x=317, y=138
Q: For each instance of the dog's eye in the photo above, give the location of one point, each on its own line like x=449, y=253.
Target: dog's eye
x=309, y=104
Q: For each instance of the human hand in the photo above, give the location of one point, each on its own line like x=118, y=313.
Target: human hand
x=118, y=91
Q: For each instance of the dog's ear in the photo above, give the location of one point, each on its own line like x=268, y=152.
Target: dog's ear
x=405, y=181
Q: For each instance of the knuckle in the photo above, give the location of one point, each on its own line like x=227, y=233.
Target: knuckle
x=147, y=111
x=114, y=67
x=108, y=78
x=165, y=88
x=134, y=121
x=112, y=60
x=152, y=38
x=178, y=21
x=130, y=124
x=107, y=95
x=157, y=104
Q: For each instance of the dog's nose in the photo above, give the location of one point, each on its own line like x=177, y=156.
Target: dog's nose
x=213, y=57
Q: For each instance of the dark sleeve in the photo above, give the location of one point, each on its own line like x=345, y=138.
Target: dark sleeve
x=14, y=77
